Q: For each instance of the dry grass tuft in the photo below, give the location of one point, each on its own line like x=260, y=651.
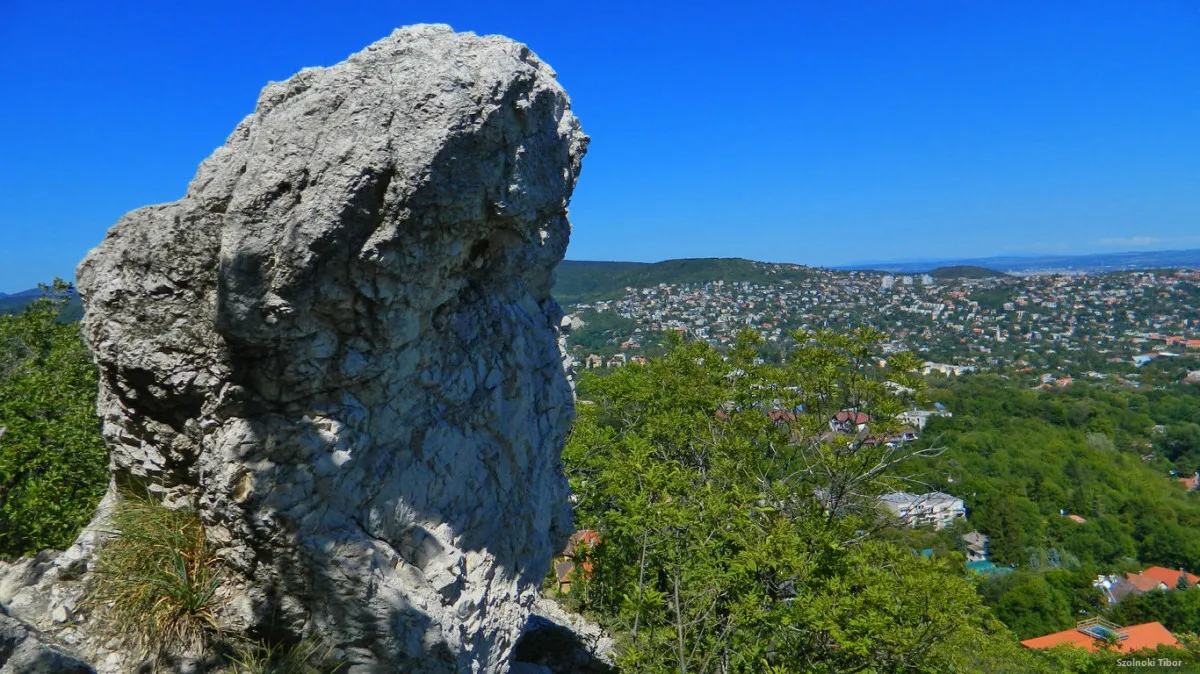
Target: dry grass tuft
x=155, y=582
x=306, y=657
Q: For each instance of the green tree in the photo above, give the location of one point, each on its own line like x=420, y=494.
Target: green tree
x=1029, y=604
x=740, y=535
x=53, y=464
x=1006, y=545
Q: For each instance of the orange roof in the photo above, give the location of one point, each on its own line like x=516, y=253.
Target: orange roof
x=1169, y=576
x=1146, y=635
x=584, y=538
x=1145, y=583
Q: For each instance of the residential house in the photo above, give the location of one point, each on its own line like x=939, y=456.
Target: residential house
x=1097, y=634
x=1159, y=578
x=579, y=547
x=977, y=550
x=849, y=421
x=1169, y=578
x=1114, y=588
x=948, y=370
x=919, y=418
x=1142, y=584
x=1190, y=483
x=905, y=435
x=934, y=509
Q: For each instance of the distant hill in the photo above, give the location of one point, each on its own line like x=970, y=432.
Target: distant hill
x=964, y=271
x=583, y=281
x=14, y=303
x=1098, y=262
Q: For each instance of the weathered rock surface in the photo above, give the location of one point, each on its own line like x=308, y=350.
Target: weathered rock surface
x=340, y=347
x=24, y=650
x=556, y=641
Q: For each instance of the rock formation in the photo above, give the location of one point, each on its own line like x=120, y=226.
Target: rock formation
x=340, y=348
x=24, y=650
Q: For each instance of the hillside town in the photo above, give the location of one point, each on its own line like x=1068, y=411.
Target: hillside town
x=1062, y=325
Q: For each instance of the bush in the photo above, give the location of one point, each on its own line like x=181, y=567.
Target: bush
x=155, y=582
x=53, y=464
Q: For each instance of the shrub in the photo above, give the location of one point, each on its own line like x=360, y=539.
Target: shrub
x=155, y=582
x=53, y=464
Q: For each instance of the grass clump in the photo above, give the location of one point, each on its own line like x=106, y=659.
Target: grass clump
x=307, y=657
x=155, y=583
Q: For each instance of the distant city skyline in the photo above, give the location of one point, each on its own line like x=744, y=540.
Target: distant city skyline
x=824, y=134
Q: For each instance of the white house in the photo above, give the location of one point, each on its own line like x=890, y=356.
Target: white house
x=934, y=509
x=918, y=418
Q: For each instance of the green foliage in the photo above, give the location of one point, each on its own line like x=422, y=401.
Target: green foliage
x=602, y=331
x=745, y=541
x=1177, y=610
x=53, y=464
x=1036, y=603
x=993, y=298
x=155, y=582
x=1019, y=457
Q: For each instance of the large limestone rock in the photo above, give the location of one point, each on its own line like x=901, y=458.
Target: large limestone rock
x=340, y=347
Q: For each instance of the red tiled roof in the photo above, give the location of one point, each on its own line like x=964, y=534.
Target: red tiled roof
x=585, y=537
x=1145, y=584
x=1170, y=577
x=857, y=417
x=1146, y=635
x=781, y=415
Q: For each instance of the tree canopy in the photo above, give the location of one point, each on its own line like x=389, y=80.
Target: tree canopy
x=738, y=532
x=53, y=464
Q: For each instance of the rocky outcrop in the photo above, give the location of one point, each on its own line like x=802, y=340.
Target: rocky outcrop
x=24, y=650
x=556, y=641
x=340, y=347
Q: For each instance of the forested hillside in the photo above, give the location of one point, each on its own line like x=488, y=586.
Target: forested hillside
x=964, y=271
x=1019, y=457
x=72, y=308
x=1023, y=460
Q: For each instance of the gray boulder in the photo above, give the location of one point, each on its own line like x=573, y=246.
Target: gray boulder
x=340, y=347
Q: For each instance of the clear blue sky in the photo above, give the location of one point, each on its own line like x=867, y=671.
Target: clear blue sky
x=816, y=132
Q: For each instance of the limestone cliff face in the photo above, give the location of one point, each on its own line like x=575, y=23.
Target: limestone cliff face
x=340, y=347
